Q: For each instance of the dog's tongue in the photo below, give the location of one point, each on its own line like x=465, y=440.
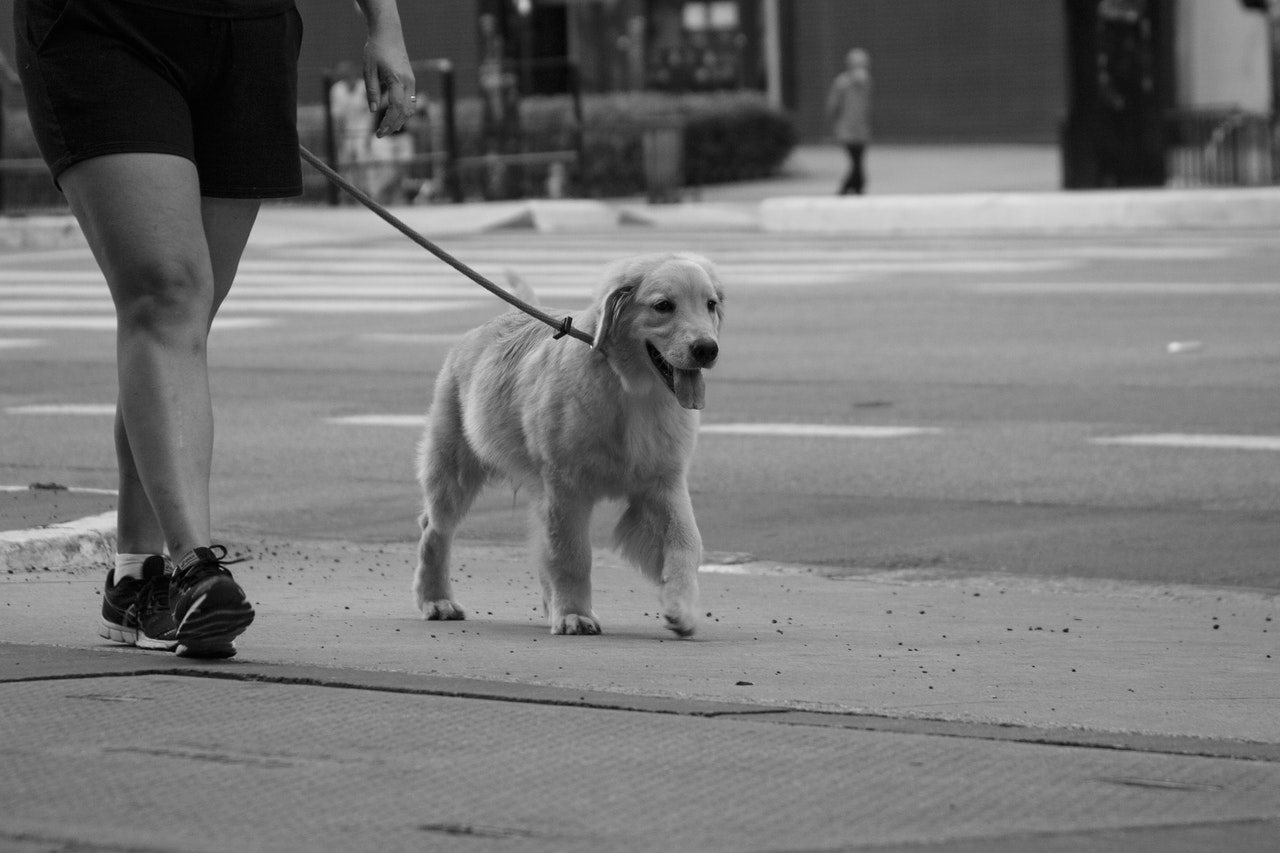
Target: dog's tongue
x=690, y=388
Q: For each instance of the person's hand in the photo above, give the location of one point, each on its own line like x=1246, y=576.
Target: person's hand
x=388, y=80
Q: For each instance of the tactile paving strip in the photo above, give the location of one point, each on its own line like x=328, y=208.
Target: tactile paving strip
x=169, y=762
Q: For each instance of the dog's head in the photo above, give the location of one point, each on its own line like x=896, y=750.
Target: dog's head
x=658, y=323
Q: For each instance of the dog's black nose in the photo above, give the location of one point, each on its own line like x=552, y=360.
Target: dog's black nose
x=704, y=352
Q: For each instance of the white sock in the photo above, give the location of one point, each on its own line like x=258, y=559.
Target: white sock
x=129, y=566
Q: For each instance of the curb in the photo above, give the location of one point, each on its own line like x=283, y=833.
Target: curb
x=62, y=546
x=1022, y=212
x=873, y=215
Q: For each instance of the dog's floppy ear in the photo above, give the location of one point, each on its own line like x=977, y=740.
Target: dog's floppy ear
x=611, y=308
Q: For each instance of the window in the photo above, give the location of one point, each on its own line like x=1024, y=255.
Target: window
x=714, y=15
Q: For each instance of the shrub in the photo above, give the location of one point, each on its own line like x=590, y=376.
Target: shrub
x=727, y=137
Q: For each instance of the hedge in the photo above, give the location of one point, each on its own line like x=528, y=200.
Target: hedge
x=730, y=136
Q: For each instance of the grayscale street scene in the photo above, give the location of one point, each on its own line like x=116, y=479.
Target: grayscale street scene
x=987, y=475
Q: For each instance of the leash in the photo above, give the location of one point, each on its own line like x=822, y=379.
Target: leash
x=563, y=326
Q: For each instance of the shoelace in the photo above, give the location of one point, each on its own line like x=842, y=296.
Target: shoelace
x=153, y=596
x=218, y=562
x=203, y=567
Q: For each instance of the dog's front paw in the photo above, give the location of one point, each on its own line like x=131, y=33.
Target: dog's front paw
x=683, y=624
x=575, y=623
x=442, y=610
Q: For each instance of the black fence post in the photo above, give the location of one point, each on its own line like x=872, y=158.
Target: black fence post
x=4, y=178
x=579, y=123
x=330, y=137
x=452, y=177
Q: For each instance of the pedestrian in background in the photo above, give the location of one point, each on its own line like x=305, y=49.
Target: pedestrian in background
x=849, y=111
x=165, y=123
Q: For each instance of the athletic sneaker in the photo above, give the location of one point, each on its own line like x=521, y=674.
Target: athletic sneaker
x=136, y=610
x=209, y=607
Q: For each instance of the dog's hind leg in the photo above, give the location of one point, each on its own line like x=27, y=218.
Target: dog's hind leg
x=661, y=537
x=562, y=532
x=451, y=478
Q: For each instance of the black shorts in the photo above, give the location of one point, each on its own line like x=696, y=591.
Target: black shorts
x=110, y=77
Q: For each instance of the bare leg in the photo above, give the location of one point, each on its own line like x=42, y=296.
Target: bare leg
x=169, y=258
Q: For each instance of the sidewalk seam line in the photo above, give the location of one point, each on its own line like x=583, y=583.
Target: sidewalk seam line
x=891, y=725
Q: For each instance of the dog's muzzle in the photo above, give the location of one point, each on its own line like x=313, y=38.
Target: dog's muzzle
x=687, y=384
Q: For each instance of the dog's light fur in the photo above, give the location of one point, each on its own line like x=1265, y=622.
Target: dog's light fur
x=579, y=424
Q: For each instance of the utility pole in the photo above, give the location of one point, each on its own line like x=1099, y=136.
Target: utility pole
x=772, y=39
x=1273, y=33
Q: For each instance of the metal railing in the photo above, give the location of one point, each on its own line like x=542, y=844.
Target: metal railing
x=428, y=159
x=1220, y=147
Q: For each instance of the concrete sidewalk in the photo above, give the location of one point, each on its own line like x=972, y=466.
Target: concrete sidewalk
x=808, y=713
x=887, y=712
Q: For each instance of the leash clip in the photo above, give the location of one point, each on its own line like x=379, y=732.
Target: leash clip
x=565, y=328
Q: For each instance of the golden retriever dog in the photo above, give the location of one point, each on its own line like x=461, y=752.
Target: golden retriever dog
x=578, y=424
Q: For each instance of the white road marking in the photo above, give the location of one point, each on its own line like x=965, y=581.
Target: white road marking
x=1196, y=441
x=20, y=343
x=299, y=305
x=786, y=430
x=60, y=322
x=541, y=252
x=380, y=420
x=442, y=338
x=1124, y=288
x=818, y=430
x=107, y=323
x=73, y=490
x=78, y=409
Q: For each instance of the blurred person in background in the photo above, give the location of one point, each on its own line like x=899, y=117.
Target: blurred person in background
x=849, y=111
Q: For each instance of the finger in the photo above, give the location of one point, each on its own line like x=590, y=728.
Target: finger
x=399, y=108
x=372, y=88
x=395, y=92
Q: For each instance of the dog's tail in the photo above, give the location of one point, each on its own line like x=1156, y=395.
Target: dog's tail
x=520, y=288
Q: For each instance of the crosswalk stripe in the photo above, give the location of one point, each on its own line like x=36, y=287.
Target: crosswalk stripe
x=78, y=409
x=775, y=430
x=275, y=283
x=107, y=322
x=765, y=430
x=1195, y=441
x=282, y=306
x=1126, y=288
x=817, y=430
x=379, y=420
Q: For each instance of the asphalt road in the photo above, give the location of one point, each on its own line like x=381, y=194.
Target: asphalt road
x=1100, y=406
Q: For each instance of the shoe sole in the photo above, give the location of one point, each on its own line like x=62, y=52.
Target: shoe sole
x=133, y=637
x=212, y=634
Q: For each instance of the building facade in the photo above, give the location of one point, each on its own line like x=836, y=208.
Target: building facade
x=944, y=70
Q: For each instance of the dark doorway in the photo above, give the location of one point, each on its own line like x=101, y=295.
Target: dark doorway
x=1120, y=80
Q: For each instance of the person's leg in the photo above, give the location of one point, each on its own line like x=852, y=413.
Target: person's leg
x=846, y=186
x=143, y=217
x=857, y=170
x=227, y=224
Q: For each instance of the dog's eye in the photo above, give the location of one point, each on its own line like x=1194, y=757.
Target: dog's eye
x=664, y=306
x=712, y=305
